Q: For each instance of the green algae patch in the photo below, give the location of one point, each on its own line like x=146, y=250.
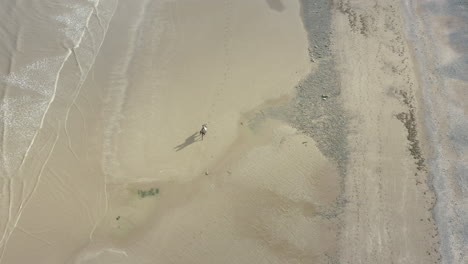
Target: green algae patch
x=147, y=193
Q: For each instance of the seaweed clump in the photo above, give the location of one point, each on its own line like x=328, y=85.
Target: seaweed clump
x=409, y=121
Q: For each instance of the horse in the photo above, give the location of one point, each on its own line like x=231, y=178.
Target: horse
x=203, y=130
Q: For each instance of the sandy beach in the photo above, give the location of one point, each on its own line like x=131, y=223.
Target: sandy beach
x=336, y=133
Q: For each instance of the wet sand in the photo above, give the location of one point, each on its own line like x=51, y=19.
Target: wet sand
x=125, y=176
x=319, y=145
x=440, y=42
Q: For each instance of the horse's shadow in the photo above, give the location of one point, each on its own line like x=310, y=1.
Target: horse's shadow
x=188, y=141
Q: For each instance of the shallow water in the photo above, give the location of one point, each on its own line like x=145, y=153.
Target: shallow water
x=37, y=40
x=47, y=49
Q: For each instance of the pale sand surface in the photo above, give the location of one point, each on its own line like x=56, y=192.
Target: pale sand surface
x=388, y=218
x=104, y=164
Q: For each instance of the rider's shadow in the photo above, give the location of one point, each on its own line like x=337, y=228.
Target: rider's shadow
x=188, y=141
